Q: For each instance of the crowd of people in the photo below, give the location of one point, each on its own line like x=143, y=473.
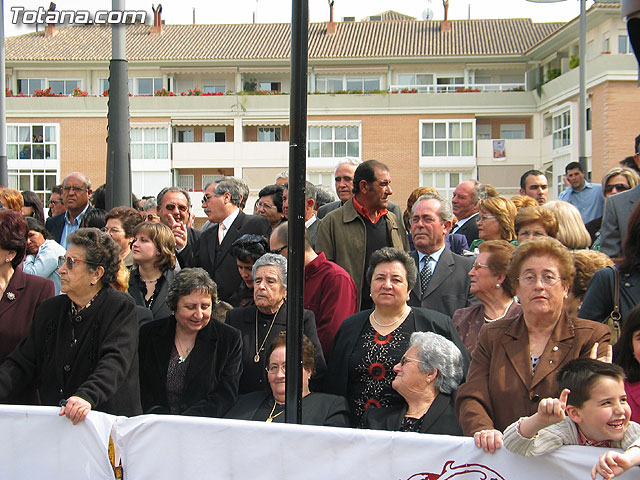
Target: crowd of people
x=510, y=320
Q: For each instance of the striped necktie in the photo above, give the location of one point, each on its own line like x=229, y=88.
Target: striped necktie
x=425, y=274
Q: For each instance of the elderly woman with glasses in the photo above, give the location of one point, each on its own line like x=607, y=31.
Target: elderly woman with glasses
x=190, y=364
x=515, y=361
x=81, y=351
x=427, y=377
x=262, y=322
x=495, y=220
x=270, y=203
x=121, y=222
x=268, y=406
x=492, y=287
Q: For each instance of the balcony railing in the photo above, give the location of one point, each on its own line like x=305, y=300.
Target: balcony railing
x=467, y=87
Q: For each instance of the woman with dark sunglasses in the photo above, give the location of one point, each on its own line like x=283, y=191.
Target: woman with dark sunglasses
x=81, y=351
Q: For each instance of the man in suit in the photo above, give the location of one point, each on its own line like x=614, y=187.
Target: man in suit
x=174, y=207
x=617, y=210
x=534, y=184
x=311, y=222
x=76, y=190
x=465, y=209
x=443, y=280
x=211, y=251
x=343, y=175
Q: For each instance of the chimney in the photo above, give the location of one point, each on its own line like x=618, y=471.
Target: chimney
x=445, y=26
x=157, y=19
x=50, y=28
x=331, y=26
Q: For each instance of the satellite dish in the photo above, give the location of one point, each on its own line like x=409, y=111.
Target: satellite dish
x=427, y=14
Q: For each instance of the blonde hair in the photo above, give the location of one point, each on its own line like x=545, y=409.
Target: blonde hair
x=537, y=214
x=505, y=212
x=587, y=263
x=571, y=230
x=413, y=196
x=631, y=175
x=522, y=201
x=14, y=199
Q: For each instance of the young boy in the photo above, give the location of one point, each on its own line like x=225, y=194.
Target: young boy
x=592, y=410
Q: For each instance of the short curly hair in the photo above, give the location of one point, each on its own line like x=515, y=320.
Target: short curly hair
x=162, y=237
x=390, y=254
x=500, y=252
x=587, y=263
x=544, y=216
x=129, y=218
x=505, y=212
x=308, y=350
x=100, y=250
x=14, y=199
x=13, y=234
x=187, y=281
x=542, y=247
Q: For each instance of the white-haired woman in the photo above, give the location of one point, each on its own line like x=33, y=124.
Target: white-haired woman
x=261, y=323
x=427, y=378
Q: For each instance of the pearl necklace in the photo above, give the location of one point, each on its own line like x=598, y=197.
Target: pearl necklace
x=487, y=319
x=400, y=318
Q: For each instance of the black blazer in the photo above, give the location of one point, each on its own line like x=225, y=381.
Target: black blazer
x=254, y=377
x=470, y=229
x=159, y=308
x=440, y=419
x=211, y=381
x=217, y=260
x=105, y=369
x=55, y=225
x=317, y=409
x=186, y=257
x=448, y=288
x=345, y=342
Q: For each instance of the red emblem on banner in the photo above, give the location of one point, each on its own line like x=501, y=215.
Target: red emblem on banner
x=467, y=471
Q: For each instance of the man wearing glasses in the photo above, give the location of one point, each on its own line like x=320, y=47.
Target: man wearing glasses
x=174, y=209
x=56, y=204
x=221, y=203
x=76, y=190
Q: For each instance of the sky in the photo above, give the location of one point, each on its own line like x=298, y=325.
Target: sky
x=267, y=11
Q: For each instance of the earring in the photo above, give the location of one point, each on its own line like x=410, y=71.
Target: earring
x=7, y=260
x=498, y=285
x=428, y=380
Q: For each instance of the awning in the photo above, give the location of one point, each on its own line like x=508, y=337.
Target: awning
x=204, y=122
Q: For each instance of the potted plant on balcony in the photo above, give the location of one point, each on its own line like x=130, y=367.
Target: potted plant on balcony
x=552, y=73
x=79, y=93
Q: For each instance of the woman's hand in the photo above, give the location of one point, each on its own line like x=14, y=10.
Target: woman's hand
x=76, y=409
x=488, y=440
x=608, y=357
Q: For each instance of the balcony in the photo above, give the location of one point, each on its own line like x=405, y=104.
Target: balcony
x=230, y=154
x=526, y=151
x=468, y=87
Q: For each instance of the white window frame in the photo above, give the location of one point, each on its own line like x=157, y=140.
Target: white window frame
x=270, y=134
x=317, y=135
x=322, y=83
x=67, y=92
x=437, y=141
x=513, y=131
x=321, y=178
x=362, y=81
x=606, y=44
x=214, y=88
x=481, y=133
x=215, y=131
x=262, y=83
x=444, y=181
x=457, y=82
x=627, y=44
x=187, y=182
x=50, y=174
x=43, y=83
x=145, y=141
x=209, y=178
x=404, y=81
x=180, y=135
x=561, y=129
x=50, y=142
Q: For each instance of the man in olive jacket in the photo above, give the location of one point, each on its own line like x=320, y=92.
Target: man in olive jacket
x=349, y=235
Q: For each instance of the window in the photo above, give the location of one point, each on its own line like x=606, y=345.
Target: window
x=214, y=135
x=186, y=182
x=483, y=131
x=624, y=46
x=447, y=139
x=444, y=182
x=334, y=142
x=149, y=143
x=512, y=131
x=269, y=134
x=605, y=44
x=270, y=86
x=217, y=88
x=36, y=142
x=421, y=81
x=321, y=178
x=184, y=135
x=38, y=181
x=29, y=85
x=363, y=84
x=449, y=84
x=145, y=86
x=209, y=179
x=562, y=130
x=326, y=84
x=63, y=87
x=104, y=85
x=588, y=117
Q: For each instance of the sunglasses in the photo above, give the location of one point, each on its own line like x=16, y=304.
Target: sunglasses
x=151, y=217
x=171, y=207
x=70, y=262
x=278, y=250
x=620, y=187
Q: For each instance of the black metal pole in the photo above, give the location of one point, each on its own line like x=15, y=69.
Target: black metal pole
x=297, y=173
x=118, y=185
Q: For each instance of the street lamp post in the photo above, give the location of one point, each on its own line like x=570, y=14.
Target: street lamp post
x=582, y=149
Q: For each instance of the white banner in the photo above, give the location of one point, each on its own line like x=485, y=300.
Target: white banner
x=37, y=444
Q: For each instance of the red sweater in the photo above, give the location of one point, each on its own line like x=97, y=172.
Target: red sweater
x=329, y=292
x=633, y=399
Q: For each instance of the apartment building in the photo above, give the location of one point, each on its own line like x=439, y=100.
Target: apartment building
x=439, y=102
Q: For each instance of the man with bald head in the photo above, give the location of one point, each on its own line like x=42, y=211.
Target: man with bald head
x=76, y=190
x=464, y=208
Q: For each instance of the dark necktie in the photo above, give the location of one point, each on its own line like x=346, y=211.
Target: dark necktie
x=425, y=274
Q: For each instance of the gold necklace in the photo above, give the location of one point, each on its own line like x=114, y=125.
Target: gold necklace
x=256, y=358
x=271, y=415
x=182, y=359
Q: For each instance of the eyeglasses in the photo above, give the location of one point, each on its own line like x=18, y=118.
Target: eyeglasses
x=171, y=207
x=111, y=231
x=266, y=206
x=478, y=266
x=75, y=189
x=619, y=187
x=206, y=197
x=404, y=360
x=53, y=202
x=70, y=262
x=273, y=369
x=530, y=279
x=278, y=250
x=482, y=218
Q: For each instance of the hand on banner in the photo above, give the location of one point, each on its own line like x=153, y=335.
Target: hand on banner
x=612, y=464
x=488, y=440
x=76, y=409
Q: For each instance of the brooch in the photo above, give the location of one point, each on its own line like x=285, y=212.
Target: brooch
x=11, y=296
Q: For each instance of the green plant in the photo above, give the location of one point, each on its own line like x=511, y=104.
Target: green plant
x=250, y=85
x=79, y=93
x=574, y=61
x=552, y=73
